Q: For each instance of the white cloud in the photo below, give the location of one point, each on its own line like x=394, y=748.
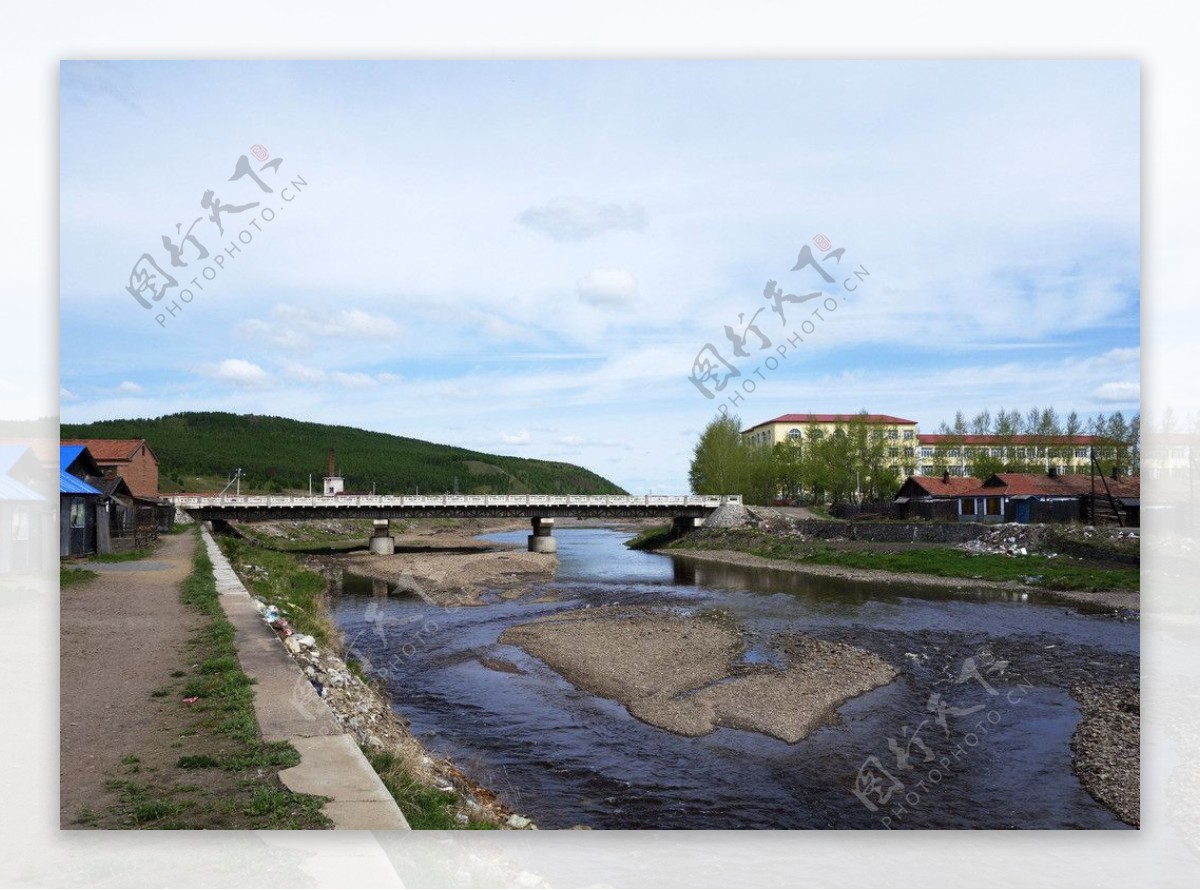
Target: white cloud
x=607, y=287
x=1118, y=391
x=356, y=380
x=128, y=386
x=570, y=440
x=575, y=219
x=238, y=372
x=521, y=438
x=291, y=327
x=298, y=373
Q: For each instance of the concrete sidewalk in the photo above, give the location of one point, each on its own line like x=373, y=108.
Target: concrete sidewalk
x=289, y=709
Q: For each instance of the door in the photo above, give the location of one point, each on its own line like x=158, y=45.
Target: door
x=1023, y=511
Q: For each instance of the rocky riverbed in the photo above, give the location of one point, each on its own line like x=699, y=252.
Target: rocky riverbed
x=686, y=674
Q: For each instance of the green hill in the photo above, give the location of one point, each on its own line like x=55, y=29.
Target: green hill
x=199, y=451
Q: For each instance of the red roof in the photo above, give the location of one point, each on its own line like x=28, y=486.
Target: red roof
x=835, y=418
x=107, y=450
x=938, y=486
x=1066, y=485
x=1023, y=439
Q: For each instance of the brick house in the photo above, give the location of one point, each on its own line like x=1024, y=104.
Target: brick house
x=131, y=459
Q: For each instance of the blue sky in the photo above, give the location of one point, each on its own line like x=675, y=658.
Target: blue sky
x=526, y=258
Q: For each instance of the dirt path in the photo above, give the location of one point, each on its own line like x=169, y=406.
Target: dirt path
x=121, y=636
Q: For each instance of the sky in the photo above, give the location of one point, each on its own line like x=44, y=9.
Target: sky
x=529, y=258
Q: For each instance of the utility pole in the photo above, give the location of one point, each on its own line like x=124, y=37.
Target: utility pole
x=310, y=485
x=238, y=479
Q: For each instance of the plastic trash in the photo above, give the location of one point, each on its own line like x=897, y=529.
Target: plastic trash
x=191, y=699
x=271, y=614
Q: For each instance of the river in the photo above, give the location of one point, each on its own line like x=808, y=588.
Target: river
x=988, y=672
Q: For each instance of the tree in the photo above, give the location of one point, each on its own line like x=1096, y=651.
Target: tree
x=981, y=425
x=718, y=461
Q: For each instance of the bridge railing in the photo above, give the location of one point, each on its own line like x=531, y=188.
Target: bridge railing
x=452, y=500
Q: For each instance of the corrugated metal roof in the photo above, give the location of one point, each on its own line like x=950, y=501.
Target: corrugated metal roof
x=67, y=455
x=68, y=484
x=9, y=455
x=12, y=490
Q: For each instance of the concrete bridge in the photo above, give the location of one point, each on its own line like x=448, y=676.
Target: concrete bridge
x=685, y=511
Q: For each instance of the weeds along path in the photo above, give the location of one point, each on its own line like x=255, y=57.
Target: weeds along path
x=157, y=721
x=121, y=636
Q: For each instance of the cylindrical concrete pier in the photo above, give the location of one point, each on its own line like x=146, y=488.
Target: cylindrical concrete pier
x=385, y=545
x=542, y=539
x=543, y=544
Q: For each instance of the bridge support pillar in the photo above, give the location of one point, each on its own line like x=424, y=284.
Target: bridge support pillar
x=542, y=539
x=681, y=525
x=382, y=541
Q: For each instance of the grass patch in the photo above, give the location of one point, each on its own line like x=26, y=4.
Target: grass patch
x=279, y=578
x=651, y=538
x=228, y=734
x=126, y=556
x=948, y=562
x=425, y=808
x=181, y=528
x=73, y=577
x=197, y=761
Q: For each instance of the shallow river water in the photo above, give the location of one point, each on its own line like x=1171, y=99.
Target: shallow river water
x=984, y=687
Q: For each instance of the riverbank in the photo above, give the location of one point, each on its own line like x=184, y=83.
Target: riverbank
x=1090, y=583
x=431, y=792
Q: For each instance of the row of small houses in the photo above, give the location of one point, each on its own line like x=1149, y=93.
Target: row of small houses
x=108, y=497
x=1022, y=497
x=107, y=500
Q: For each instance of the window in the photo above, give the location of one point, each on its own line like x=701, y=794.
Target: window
x=893, y=452
x=78, y=518
x=877, y=435
x=926, y=469
x=926, y=451
x=1176, y=453
x=967, y=506
x=794, y=434
x=908, y=434
x=1081, y=452
x=20, y=525
x=908, y=452
x=993, y=507
x=953, y=452
x=892, y=434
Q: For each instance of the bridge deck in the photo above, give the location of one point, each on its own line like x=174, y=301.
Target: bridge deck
x=250, y=508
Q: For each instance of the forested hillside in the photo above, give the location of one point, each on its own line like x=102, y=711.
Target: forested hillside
x=198, y=450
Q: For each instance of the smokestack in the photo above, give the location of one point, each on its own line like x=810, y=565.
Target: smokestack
x=331, y=473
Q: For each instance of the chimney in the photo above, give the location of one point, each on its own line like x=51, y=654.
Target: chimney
x=945, y=477
x=331, y=473
x=1116, y=474
x=1053, y=474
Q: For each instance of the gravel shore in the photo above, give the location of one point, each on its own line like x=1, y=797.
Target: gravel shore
x=450, y=567
x=684, y=673
x=1106, y=747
